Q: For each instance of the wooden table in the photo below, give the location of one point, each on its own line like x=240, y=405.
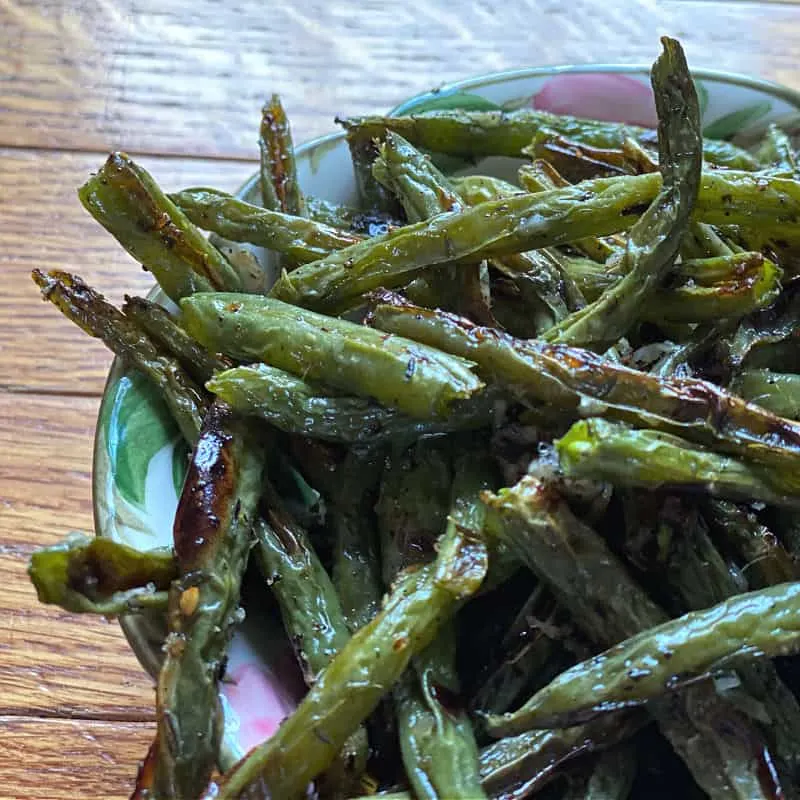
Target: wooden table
x=180, y=85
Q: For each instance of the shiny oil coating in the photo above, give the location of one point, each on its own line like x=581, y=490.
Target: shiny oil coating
x=205, y=508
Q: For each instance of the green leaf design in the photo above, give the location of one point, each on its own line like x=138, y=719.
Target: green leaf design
x=730, y=124
x=442, y=101
x=137, y=425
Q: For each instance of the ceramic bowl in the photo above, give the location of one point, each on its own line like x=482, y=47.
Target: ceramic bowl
x=140, y=459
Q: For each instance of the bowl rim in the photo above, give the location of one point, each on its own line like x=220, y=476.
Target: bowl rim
x=148, y=659
x=791, y=96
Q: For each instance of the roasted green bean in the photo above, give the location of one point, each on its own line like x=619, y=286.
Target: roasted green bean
x=602, y=450
x=128, y=203
x=90, y=311
x=659, y=659
x=100, y=576
x=212, y=538
x=297, y=406
x=399, y=373
x=167, y=333
x=501, y=133
x=280, y=190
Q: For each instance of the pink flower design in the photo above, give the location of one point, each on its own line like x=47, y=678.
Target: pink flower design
x=259, y=700
x=598, y=95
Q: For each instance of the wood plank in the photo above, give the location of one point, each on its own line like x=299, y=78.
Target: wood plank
x=43, y=225
x=189, y=77
x=63, y=759
x=51, y=662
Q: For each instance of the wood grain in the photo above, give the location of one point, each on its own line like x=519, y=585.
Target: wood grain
x=43, y=225
x=45, y=759
x=189, y=77
x=54, y=663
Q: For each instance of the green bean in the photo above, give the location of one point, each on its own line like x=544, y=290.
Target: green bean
x=212, y=538
x=654, y=239
x=368, y=665
x=702, y=241
x=356, y=567
x=498, y=227
x=412, y=507
x=765, y=561
x=312, y=615
x=421, y=188
x=602, y=450
x=280, y=190
x=593, y=279
x=577, y=161
x=519, y=766
x=296, y=406
x=399, y=373
x=128, y=203
x=424, y=192
x=502, y=133
x=778, y=392
x=611, y=776
x=301, y=240
x=168, y=335
x=716, y=288
x=579, y=382
x=540, y=176
x=609, y=607
x=310, y=608
x=90, y=311
x=87, y=574
x=436, y=738
x=531, y=221
x=764, y=623
x=477, y=189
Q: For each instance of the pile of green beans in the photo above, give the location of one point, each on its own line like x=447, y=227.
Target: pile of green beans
x=518, y=463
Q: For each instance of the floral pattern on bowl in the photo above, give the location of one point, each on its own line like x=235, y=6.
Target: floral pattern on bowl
x=139, y=460
x=598, y=95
